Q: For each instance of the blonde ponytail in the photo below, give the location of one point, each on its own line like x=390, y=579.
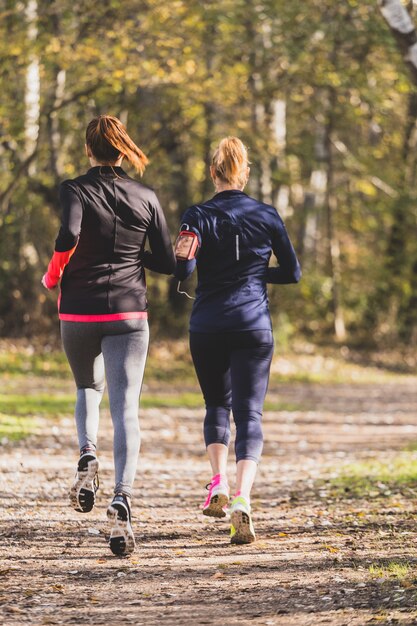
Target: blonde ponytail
x=230, y=161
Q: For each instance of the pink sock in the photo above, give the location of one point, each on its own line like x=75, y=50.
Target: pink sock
x=239, y=493
x=217, y=478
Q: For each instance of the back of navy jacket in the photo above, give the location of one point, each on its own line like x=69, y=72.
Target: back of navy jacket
x=237, y=235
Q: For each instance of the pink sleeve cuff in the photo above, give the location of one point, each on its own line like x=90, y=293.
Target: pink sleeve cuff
x=56, y=267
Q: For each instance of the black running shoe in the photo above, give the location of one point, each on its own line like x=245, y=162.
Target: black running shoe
x=82, y=494
x=122, y=540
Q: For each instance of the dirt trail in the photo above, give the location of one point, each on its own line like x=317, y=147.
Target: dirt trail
x=310, y=564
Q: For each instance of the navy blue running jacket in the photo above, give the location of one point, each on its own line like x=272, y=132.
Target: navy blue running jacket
x=237, y=235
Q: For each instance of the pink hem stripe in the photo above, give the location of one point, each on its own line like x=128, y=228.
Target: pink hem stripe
x=107, y=317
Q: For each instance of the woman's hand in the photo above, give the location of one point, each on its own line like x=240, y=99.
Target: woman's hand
x=46, y=282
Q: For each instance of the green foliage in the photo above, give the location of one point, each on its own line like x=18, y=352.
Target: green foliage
x=191, y=400
x=399, y=570
x=25, y=362
x=377, y=478
x=184, y=74
x=39, y=404
x=14, y=428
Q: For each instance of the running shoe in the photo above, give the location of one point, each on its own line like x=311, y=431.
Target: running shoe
x=82, y=494
x=218, y=497
x=241, y=528
x=122, y=539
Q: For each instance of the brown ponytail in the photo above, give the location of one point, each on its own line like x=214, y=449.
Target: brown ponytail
x=107, y=139
x=230, y=161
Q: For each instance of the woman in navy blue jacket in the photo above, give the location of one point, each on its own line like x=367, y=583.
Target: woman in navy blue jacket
x=230, y=239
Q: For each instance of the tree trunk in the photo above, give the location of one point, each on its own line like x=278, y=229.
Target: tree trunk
x=209, y=114
x=332, y=238
x=55, y=139
x=279, y=129
x=32, y=88
x=254, y=84
x=404, y=31
x=317, y=193
x=334, y=258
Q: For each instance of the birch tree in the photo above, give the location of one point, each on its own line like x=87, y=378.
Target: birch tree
x=33, y=85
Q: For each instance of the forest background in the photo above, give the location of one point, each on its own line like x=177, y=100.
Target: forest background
x=318, y=90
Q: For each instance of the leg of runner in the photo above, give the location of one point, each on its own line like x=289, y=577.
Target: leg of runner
x=82, y=345
x=250, y=365
x=125, y=348
x=212, y=365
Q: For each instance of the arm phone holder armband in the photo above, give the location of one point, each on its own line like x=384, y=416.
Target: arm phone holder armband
x=186, y=246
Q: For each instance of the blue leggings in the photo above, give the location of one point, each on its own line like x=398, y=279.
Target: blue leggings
x=233, y=372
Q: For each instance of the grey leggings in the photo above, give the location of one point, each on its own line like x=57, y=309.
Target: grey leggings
x=115, y=350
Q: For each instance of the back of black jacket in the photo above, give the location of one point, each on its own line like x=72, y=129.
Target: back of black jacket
x=109, y=217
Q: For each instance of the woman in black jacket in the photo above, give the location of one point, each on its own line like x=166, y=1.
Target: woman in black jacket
x=100, y=261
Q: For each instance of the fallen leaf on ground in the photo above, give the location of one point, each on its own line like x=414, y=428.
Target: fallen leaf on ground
x=331, y=549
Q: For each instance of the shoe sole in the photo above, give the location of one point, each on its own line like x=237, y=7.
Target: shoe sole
x=82, y=493
x=242, y=524
x=122, y=539
x=215, y=508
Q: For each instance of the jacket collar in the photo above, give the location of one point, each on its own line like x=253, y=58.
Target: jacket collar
x=229, y=192
x=106, y=170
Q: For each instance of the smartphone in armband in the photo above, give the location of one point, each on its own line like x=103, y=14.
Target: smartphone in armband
x=186, y=246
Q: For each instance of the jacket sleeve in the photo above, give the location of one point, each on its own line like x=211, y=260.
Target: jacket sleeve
x=288, y=270
x=189, y=222
x=161, y=256
x=66, y=242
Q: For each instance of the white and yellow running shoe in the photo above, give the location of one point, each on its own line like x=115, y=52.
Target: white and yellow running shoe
x=241, y=526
